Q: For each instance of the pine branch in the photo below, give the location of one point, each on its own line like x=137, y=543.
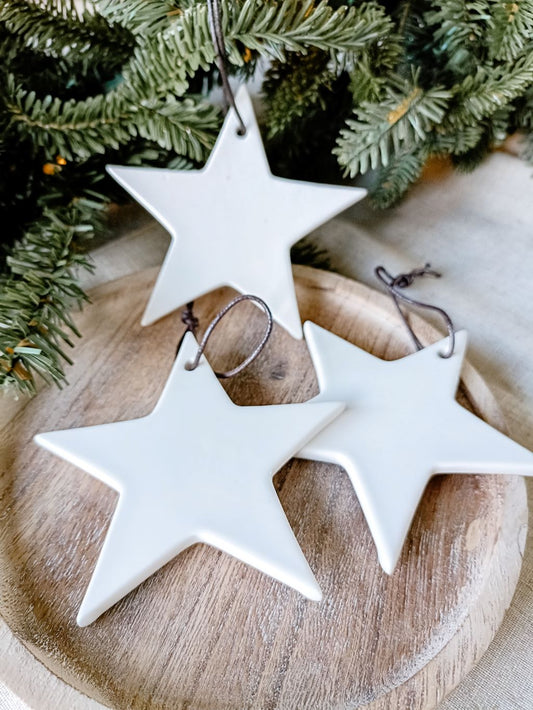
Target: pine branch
x=144, y=18
x=272, y=28
x=512, y=29
x=399, y=122
x=269, y=28
x=488, y=90
x=454, y=141
x=458, y=31
x=80, y=129
x=366, y=85
x=37, y=291
x=524, y=123
x=67, y=9
x=528, y=148
x=370, y=67
x=138, y=106
x=524, y=113
x=183, y=126
x=292, y=89
x=394, y=180
x=501, y=124
x=492, y=131
x=469, y=160
x=61, y=32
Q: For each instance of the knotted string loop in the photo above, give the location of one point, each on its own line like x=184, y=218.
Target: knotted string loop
x=394, y=284
x=189, y=319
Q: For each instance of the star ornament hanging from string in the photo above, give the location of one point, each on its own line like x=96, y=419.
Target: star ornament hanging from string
x=402, y=425
x=233, y=222
x=197, y=469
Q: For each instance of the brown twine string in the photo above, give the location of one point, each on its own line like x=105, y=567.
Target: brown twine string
x=191, y=322
x=402, y=281
x=217, y=35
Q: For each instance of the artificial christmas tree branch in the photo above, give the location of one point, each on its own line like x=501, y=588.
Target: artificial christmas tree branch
x=79, y=129
x=127, y=81
x=404, y=117
x=37, y=290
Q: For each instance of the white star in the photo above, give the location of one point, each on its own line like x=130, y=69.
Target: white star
x=197, y=469
x=401, y=426
x=232, y=223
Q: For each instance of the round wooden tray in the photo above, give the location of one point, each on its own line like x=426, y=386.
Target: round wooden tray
x=206, y=631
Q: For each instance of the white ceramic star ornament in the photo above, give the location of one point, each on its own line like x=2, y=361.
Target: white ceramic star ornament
x=197, y=469
x=233, y=222
x=401, y=426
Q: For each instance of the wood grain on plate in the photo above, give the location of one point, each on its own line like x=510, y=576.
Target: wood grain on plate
x=206, y=631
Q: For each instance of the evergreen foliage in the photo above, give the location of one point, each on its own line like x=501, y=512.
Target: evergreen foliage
x=473, y=65
x=403, y=118
x=37, y=288
x=365, y=85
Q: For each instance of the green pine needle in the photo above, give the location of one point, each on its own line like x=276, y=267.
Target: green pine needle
x=401, y=120
x=37, y=289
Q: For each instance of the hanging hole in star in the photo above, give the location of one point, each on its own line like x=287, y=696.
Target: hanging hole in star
x=448, y=353
x=216, y=320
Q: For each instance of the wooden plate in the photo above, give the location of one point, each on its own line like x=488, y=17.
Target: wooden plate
x=206, y=631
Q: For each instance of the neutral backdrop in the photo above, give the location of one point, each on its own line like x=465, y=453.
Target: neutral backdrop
x=477, y=230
